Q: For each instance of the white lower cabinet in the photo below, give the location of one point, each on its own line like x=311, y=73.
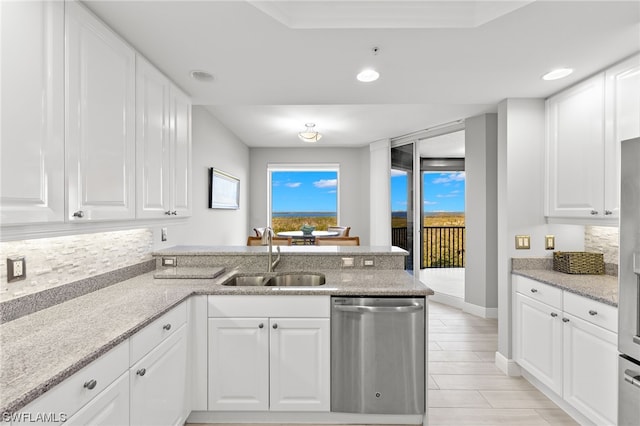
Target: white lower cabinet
x=570, y=346
x=159, y=383
x=278, y=362
x=110, y=407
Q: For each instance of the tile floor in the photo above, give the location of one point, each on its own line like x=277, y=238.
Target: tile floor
x=466, y=388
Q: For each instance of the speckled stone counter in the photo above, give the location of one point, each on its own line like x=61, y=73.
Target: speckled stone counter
x=603, y=288
x=42, y=349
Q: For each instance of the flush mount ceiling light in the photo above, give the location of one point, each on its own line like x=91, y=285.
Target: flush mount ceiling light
x=201, y=75
x=309, y=134
x=557, y=74
x=369, y=74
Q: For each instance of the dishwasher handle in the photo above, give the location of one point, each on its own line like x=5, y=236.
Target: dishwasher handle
x=379, y=309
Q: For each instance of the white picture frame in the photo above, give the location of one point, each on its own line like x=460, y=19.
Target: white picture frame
x=224, y=190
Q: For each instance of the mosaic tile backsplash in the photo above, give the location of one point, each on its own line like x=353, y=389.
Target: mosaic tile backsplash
x=602, y=239
x=51, y=262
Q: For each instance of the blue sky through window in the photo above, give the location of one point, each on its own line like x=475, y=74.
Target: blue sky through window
x=304, y=191
x=443, y=192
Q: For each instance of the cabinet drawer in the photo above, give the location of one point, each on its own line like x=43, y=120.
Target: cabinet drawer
x=597, y=313
x=73, y=393
x=538, y=291
x=269, y=306
x=153, y=334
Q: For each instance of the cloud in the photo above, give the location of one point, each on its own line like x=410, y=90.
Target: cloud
x=326, y=183
x=448, y=178
x=293, y=184
x=333, y=191
x=396, y=173
x=429, y=203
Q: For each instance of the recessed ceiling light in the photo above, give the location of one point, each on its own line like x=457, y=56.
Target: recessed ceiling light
x=557, y=74
x=368, y=75
x=201, y=75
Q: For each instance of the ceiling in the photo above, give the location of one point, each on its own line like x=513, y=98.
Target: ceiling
x=280, y=64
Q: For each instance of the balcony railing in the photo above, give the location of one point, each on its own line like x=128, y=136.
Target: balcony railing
x=442, y=246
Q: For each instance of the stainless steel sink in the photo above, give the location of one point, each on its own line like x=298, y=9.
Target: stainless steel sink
x=246, y=280
x=296, y=280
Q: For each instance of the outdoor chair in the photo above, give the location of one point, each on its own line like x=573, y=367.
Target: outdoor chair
x=276, y=241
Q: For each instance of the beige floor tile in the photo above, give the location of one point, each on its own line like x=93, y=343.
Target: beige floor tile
x=557, y=417
x=454, y=356
x=517, y=399
x=468, y=368
x=484, y=416
x=481, y=382
x=468, y=346
x=486, y=356
x=431, y=383
x=456, y=398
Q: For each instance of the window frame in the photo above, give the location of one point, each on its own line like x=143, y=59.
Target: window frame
x=301, y=167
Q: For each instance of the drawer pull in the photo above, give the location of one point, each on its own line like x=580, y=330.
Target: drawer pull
x=608, y=212
x=534, y=290
x=553, y=314
x=166, y=327
x=565, y=319
x=90, y=384
x=141, y=372
x=275, y=325
x=593, y=212
x=592, y=312
x=261, y=325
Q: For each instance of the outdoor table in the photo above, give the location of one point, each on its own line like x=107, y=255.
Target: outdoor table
x=307, y=238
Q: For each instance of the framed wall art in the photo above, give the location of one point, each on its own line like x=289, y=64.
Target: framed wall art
x=224, y=190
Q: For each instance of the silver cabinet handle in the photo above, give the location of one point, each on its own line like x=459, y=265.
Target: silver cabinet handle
x=78, y=214
x=553, y=314
x=592, y=312
x=534, y=290
x=565, y=319
x=261, y=325
x=141, y=372
x=593, y=212
x=166, y=327
x=168, y=212
x=90, y=384
x=608, y=212
x=378, y=309
x=175, y=213
x=632, y=377
x=275, y=325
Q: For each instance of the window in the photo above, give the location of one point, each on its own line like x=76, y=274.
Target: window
x=303, y=194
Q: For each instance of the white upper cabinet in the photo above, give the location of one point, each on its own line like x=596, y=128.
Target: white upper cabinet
x=100, y=135
x=585, y=125
x=163, y=145
x=32, y=112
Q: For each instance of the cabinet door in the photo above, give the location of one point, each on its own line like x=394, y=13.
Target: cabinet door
x=538, y=340
x=575, y=150
x=31, y=112
x=622, y=109
x=238, y=364
x=591, y=370
x=110, y=407
x=152, y=141
x=180, y=170
x=299, y=364
x=159, y=384
x=100, y=100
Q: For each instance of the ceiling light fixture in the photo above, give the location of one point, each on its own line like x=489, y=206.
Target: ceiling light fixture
x=309, y=134
x=201, y=75
x=369, y=74
x=557, y=74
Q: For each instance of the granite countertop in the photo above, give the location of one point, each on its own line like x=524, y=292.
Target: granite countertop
x=289, y=250
x=42, y=349
x=603, y=288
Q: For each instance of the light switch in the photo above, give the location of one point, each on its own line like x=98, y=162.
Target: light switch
x=523, y=242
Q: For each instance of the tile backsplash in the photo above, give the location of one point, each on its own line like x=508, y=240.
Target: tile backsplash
x=51, y=262
x=602, y=239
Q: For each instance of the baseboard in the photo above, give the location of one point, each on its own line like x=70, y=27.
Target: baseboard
x=507, y=366
x=445, y=299
x=480, y=311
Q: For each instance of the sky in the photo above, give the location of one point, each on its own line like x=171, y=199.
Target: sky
x=304, y=191
x=443, y=192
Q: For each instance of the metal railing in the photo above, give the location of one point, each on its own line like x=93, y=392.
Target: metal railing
x=442, y=246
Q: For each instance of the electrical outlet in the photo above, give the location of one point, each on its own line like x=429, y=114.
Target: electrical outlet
x=549, y=242
x=163, y=234
x=169, y=261
x=347, y=262
x=16, y=269
x=369, y=262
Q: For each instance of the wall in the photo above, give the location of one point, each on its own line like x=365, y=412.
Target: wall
x=52, y=262
x=354, y=186
x=521, y=140
x=213, y=146
x=481, y=287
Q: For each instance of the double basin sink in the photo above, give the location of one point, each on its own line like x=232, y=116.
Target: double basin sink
x=286, y=279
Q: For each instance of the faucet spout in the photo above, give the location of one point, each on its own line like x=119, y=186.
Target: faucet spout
x=267, y=239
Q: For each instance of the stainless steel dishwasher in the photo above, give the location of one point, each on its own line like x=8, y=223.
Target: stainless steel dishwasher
x=377, y=355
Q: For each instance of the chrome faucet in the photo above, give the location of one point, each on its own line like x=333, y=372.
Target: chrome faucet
x=267, y=239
